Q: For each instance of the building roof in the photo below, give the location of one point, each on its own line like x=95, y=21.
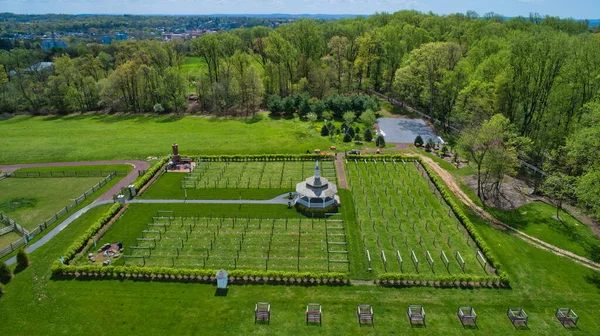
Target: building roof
x=316, y=187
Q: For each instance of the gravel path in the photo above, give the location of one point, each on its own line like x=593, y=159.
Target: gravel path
x=341, y=172
x=455, y=189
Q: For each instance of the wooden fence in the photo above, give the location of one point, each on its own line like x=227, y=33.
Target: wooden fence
x=30, y=234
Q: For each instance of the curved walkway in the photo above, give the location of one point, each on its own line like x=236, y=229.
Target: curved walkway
x=124, y=182
x=56, y=230
x=481, y=212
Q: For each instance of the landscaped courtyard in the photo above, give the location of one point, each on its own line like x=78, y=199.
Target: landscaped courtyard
x=392, y=210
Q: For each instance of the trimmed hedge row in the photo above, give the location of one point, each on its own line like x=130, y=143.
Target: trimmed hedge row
x=483, y=247
x=266, y=157
x=141, y=181
x=447, y=196
x=381, y=157
x=84, y=239
x=459, y=280
x=196, y=275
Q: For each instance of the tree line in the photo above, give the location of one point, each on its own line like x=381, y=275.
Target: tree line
x=532, y=79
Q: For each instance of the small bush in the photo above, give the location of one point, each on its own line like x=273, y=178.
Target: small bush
x=418, y=141
x=324, y=130
x=347, y=137
x=380, y=141
x=5, y=273
x=368, y=135
x=22, y=258
x=158, y=108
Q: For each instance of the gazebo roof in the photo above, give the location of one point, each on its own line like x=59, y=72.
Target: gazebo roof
x=311, y=188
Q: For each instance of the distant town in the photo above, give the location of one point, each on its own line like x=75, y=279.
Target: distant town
x=60, y=31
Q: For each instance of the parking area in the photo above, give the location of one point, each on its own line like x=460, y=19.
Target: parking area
x=402, y=130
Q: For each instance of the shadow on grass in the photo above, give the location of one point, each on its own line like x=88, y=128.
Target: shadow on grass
x=20, y=268
x=169, y=118
x=221, y=291
x=594, y=279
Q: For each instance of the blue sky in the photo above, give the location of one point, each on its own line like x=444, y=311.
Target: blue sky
x=583, y=9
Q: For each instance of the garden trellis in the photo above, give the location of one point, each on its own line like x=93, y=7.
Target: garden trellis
x=253, y=174
x=401, y=212
x=284, y=244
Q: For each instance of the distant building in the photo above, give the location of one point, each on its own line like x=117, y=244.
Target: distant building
x=122, y=36
x=171, y=36
x=40, y=67
x=53, y=42
x=106, y=39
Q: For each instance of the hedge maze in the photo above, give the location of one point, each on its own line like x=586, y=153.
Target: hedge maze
x=254, y=174
x=299, y=245
x=405, y=224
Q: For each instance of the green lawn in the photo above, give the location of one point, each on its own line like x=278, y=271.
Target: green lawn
x=31, y=201
x=106, y=137
x=34, y=304
x=8, y=238
x=539, y=220
x=194, y=64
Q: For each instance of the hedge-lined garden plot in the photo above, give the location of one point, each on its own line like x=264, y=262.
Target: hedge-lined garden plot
x=253, y=174
x=303, y=245
x=405, y=225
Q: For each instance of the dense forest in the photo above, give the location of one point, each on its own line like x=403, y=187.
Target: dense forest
x=534, y=78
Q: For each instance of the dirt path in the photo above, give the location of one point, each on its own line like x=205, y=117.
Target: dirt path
x=453, y=186
x=341, y=172
x=124, y=182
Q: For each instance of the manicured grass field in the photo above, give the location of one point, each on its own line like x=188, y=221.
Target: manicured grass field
x=404, y=225
x=8, y=238
x=30, y=201
x=106, y=137
x=539, y=220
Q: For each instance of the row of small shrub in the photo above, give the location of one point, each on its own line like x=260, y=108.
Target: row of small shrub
x=141, y=181
x=304, y=209
x=380, y=157
x=458, y=280
x=84, y=239
x=483, y=247
x=266, y=157
x=196, y=275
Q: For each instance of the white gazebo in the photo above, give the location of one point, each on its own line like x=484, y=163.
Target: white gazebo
x=316, y=192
